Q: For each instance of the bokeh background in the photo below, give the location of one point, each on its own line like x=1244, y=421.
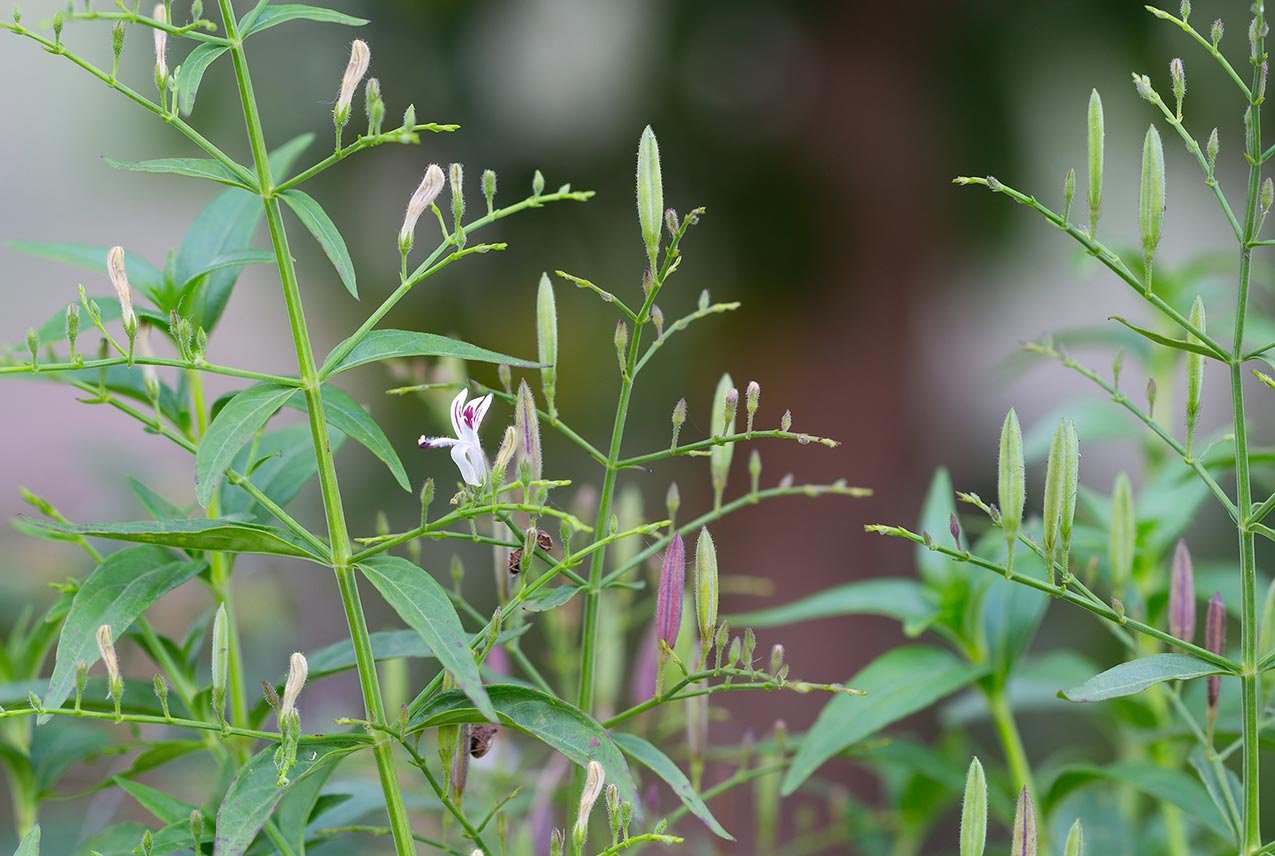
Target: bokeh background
x=880, y=304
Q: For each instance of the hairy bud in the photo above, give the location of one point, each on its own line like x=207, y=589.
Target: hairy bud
x=1182, y=594
x=1177, y=74
x=974, y=811
x=360, y=57
x=679, y=419
x=1011, y=481
x=1151, y=198
x=527, y=426
x=547, y=341
x=594, y=780
x=1025, y=840
x=489, y=189
x=706, y=588
x=431, y=185
x=1096, y=145
x=161, y=47
x=650, y=192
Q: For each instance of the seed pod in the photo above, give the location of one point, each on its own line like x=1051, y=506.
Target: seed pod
x=489, y=189
x=1096, y=145
x=720, y=456
x=220, y=662
x=1182, y=594
x=1075, y=844
x=668, y=606
x=1011, y=481
x=1055, y=488
x=622, y=346
x=297, y=672
x=1215, y=641
x=1177, y=74
x=527, y=424
x=547, y=341
x=1069, y=192
x=456, y=174
x=974, y=811
x=752, y=399
x=1194, y=373
x=360, y=57
x=374, y=106
x=1151, y=198
x=650, y=192
x=1024, y=842
x=1071, y=488
x=706, y=591
x=1122, y=545
x=431, y=185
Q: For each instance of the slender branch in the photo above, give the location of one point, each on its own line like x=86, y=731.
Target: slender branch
x=189, y=31
x=367, y=141
x=721, y=440
x=210, y=368
x=545, y=419
x=679, y=325
x=1207, y=45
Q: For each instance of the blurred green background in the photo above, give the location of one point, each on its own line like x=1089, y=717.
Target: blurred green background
x=879, y=303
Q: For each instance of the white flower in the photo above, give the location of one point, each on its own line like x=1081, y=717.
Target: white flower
x=467, y=450
x=161, y=44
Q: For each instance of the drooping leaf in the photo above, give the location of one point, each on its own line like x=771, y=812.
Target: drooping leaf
x=1161, y=783
x=392, y=344
x=219, y=535
x=657, y=762
x=167, y=808
x=193, y=68
x=1177, y=344
x=272, y=16
x=320, y=225
x=1137, y=675
x=142, y=274
x=117, y=593
x=898, y=683
x=348, y=416
x=284, y=463
x=552, y=721
x=255, y=792
x=206, y=168
x=903, y=599
x=423, y=604
x=232, y=428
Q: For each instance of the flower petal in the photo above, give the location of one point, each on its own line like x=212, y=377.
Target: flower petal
x=437, y=442
x=460, y=455
x=458, y=405
x=480, y=406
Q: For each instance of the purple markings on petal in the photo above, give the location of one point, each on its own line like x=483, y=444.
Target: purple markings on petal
x=1182, y=595
x=668, y=608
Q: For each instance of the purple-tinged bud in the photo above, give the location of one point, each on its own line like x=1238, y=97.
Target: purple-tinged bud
x=1182, y=595
x=1025, y=841
x=360, y=57
x=732, y=405
x=955, y=526
x=431, y=185
x=161, y=47
x=657, y=318
x=648, y=281
x=752, y=400
x=668, y=607
x=679, y=419
x=527, y=424
x=642, y=684
x=671, y=221
x=1215, y=641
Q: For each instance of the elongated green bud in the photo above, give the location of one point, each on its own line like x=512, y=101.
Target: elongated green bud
x=706, y=593
x=1177, y=74
x=527, y=425
x=650, y=193
x=1211, y=149
x=1194, y=373
x=197, y=829
x=1024, y=841
x=1151, y=198
x=547, y=341
x=489, y=189
x=1011, y=481
x=622, y=346
x=679, y=419
x=1096, y=134
x=1124, y=533
x=720, y=456
x=974, y=811
x=1069, y=191
x=1055, y=488
x=1075, y=845
x=220, y=662
x=1071, y=488
x=72, y=327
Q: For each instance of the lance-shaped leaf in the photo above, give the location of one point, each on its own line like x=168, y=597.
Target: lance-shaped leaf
x=274, y=15
x=1161, y=783
x=1190, y=346
x=320, y=225
x=348, y=416
x=550, y=720
x=235, y=424
x=1095, y=151
x=254, y=793
x=167, y=808
x=661, y=765
x=206, y=168
x=1024, y=841
x=380, y=345
x=30, y=844
x=898, y=683
x=117, y=593
x=1075, y=844
x=424, y=605
x=218, y=535
x=974, y=811
x=193, y=68
x=1137, y=675
x=901, y=599
x=279, y=464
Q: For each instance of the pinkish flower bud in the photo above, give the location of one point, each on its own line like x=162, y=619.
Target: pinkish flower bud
x=1215, y=641
x=642, y=683
x=1182, y=595
x=431, y=185
x=668, y=607
x=119, y=279
x=955, y=526
x=360, y=57
x=161, y=46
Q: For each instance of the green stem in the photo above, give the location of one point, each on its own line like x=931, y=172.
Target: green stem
x=338, y=535
x=365, y=142
x=47, y=368
x=722, y=440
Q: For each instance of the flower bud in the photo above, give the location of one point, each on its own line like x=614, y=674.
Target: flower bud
x=1011, y=481
x=160, y=685
x=360, y=57
x=489, y=189
x=1142, y=83
x=1151, y=198
x=1096, y=133
x=33, y=348
x=1124, y=533
x=594, y=780
x=1215, y=641
x=1195, y=372
x=557, y=842
x=650, y=192
x=672, y=502
x=1024, y=842
x=613, y=811
x=1182, y=594
x=431, y=185
x=1211, y=149
x=668, y=603
x=706, y=592
x=671, y=222
x=722, y=422
x=679, y=418
x=197, y=829
x=1177, y=74
x=537, y=184
x=754, y=470
x=752, y=399
x=117, y=46
x=297, y=672
x=727, y=425
x=409, y=122
x=776, y=659
x=527, y=426
x=1184, y=10
x=456, y=177
x=974, y=811
x=547, y=341
x=106, y=647
x=622, y=346
x=427, y=497
x=374, y=106
x=1055, y=485
x=1069, y=192
x=220, y=662
x=1075, y=844
x=1216, y=31
x=119, y=279
x=161, y=47
x=785, y=421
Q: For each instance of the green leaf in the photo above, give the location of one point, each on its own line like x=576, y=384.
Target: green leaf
x=57, y=746
x=899, y=682
x=347, y=416
x=272, y=16
x=253, y=794
x=233, y=427
x=230, y=260
x=219, y=535
x=657, y=762
x=193, y=68
x=1161, y=783
x=282, y=463
x=1178, y=344
x=30, y=844
x=167, y=808
x=553, y=597
x=192, y=167
x=154, y=504
x=1217, y=786
x=424, y=605
x=320, y=225
x=903, y=599
x=117, y=593
x=141, y=273
x=554, y=722
x=381, y=345
x=1137, y=675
